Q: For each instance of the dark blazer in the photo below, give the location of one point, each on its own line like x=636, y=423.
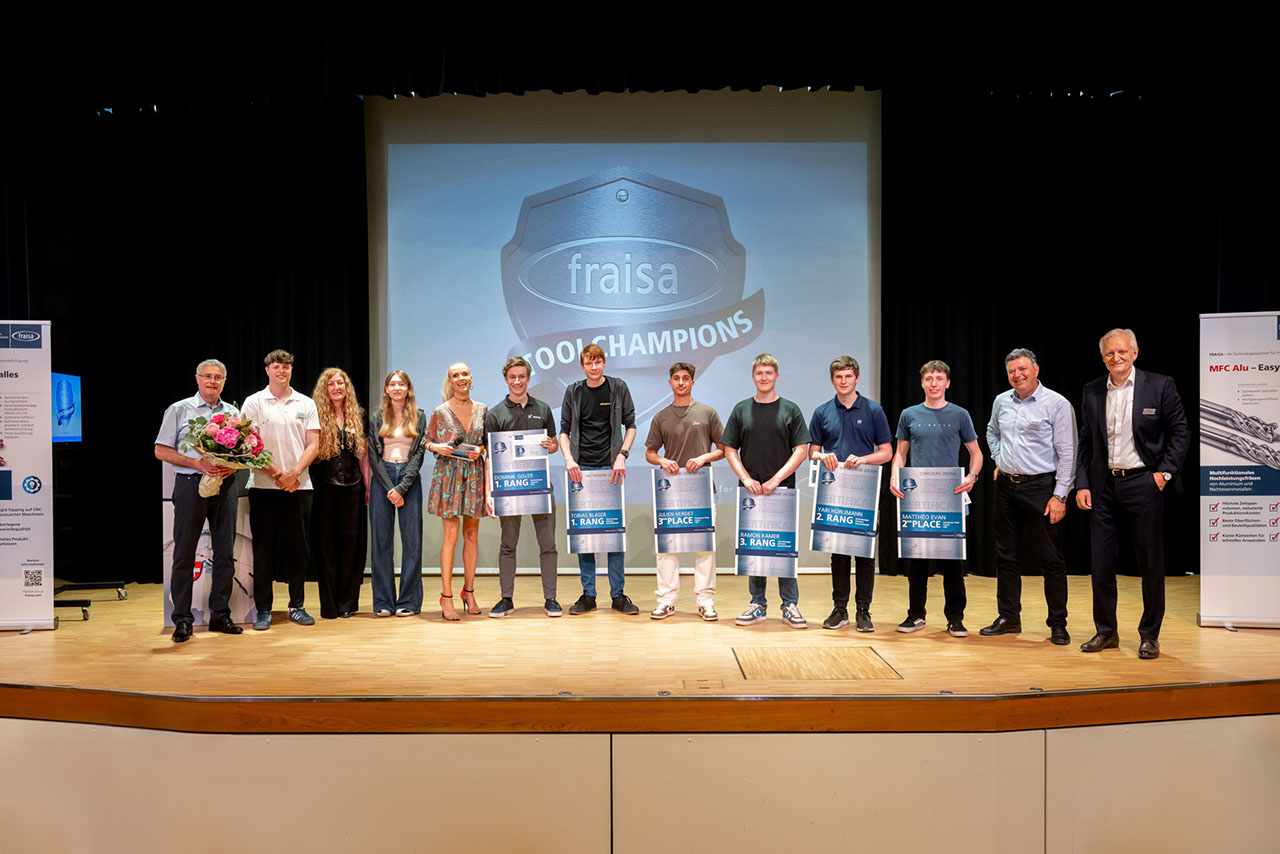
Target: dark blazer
x=1160, y=432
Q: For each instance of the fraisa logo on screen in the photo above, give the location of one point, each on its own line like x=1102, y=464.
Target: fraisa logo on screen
x=644, y=267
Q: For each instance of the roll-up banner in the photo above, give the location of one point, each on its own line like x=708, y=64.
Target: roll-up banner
x=26, y=476
x=766, y=533
x=1240, y=470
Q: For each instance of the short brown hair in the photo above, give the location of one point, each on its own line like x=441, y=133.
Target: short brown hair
x=591, y=351
x=935, y=365
x=517, y=362
x=284, y=357
x=845, y=363
x=681, y=366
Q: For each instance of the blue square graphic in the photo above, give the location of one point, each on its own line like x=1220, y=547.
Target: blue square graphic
x=6, y=486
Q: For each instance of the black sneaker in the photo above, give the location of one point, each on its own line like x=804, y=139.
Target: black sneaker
x=839, y=619
x=956, y=629
x=863, y=621
x=624, y=605
x=552, y=608
x=911, y=624
x=505, y=606
x=584, y=604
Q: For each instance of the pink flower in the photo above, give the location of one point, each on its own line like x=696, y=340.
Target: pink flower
x=210, y=429
x=228, y=437
x=218, y=419
x=255, y=443
x=233, y=421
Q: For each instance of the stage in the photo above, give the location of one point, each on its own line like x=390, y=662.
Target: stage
x=606, y=673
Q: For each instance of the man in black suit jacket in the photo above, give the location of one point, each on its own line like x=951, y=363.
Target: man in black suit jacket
x=1133, y=437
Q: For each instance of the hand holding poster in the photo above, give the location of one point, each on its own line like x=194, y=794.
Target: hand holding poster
x=931, y=518
x=682, y=512
x=766, y=533
x=595, y=513
x=845, y=511
x=521, y=478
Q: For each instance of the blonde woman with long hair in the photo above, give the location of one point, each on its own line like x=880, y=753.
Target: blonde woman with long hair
x=339, y=475
x=457, y=484
x=397, y=434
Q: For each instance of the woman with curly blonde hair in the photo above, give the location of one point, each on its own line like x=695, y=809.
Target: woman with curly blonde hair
x=340, y=476
x=396, y=437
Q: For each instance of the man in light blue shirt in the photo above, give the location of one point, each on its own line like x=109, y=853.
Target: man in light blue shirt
x=1032, y=436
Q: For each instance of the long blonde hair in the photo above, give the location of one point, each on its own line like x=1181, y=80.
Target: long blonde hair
x=409, y=423
x=330, y=442
x=446, y=389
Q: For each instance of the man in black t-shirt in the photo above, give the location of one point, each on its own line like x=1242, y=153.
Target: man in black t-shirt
x=592, y=417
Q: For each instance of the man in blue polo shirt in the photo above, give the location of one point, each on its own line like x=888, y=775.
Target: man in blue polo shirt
x=850, y=430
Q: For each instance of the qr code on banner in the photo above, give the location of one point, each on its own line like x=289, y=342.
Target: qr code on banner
x=32, y=577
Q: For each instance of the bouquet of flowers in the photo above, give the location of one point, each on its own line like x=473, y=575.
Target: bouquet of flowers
x=227, y=441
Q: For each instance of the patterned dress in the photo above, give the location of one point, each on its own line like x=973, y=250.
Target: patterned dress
x=457, y=485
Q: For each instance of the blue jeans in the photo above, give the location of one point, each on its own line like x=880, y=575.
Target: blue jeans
x=617, y=573
x=382, y=529
x=788, y=589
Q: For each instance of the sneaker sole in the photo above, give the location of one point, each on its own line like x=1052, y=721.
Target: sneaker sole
x=501, y=616
x=839, y=625
x=906, y=630
x=958, y=634
x=756, y=621
x=798, y=625
x=661, y=616
x=708, y=618
x=867, y=629
x=553, y=613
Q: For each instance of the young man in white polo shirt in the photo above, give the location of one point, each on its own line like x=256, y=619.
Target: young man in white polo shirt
x=280, y=495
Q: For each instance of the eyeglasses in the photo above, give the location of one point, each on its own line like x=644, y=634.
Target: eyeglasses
x=213, y=378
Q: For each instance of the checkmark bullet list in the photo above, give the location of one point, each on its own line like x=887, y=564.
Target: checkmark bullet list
x=1213, y=508
x=1213, y=538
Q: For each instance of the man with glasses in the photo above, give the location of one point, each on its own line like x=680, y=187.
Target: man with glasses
x=191, y=511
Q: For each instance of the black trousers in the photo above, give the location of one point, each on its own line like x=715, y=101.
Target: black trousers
x=276, y=515
x=339, y=538
x=918, y=571
x=866, y=581
x=1019, y=509
x=189, y=514
x=1136, y=499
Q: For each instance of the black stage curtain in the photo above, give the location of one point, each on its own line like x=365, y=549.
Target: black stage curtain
x=155, y=241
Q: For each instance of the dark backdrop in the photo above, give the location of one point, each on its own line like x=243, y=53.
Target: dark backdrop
x=171, y=197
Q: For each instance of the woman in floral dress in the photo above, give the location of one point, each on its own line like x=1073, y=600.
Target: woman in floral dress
x=457, y=484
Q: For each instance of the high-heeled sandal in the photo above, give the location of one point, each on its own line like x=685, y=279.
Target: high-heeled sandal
x=471, y=605
x=445, y=615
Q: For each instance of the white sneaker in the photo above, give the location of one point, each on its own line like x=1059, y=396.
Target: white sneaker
x=791, y=613
x=662, y=612
x=754, y=614
x=708, y=613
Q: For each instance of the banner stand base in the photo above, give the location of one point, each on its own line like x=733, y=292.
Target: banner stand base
x=1236, y=622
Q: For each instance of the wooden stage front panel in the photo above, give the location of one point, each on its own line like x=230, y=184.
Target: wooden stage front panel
x=603, y=672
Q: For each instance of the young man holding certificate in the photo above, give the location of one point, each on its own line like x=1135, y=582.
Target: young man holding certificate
x=766, y=436
x=850, y=430
x=518, y=411
x=593, y=416
x=689, y=432
x=932, y=433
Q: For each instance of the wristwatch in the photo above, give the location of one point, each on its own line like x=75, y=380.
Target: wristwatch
x=625, y=453
x=1167, y=475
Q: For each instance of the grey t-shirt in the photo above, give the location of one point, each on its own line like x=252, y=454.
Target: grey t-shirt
x=935, y=434
x=685, y=431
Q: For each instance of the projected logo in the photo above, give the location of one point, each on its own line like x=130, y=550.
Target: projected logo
x=644, y=267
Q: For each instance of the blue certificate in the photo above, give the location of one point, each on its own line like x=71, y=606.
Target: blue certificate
x=682, y=511
x=766, y=533
x=521, y=478
x=595, y=514
x=845, y=511
x=931, y=519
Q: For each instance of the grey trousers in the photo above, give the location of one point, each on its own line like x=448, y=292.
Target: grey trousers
x=544, y=526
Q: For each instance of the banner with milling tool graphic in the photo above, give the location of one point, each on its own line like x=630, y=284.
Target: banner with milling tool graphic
x=1240, y=469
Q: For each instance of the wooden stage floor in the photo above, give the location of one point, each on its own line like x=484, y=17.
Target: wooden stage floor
x=603, y=672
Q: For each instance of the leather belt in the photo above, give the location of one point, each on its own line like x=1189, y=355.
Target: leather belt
x=1025, y=478
x=1127, y=472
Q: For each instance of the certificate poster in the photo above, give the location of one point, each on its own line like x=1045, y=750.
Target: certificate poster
x=595, y=513
x=521, y=478
x=1240, y=469
x=766, y=533
x=931, y=518
x=845, y=506
x=26, y=476
x=682, y=511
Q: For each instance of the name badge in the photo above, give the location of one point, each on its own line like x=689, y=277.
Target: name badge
x=1151, y=410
